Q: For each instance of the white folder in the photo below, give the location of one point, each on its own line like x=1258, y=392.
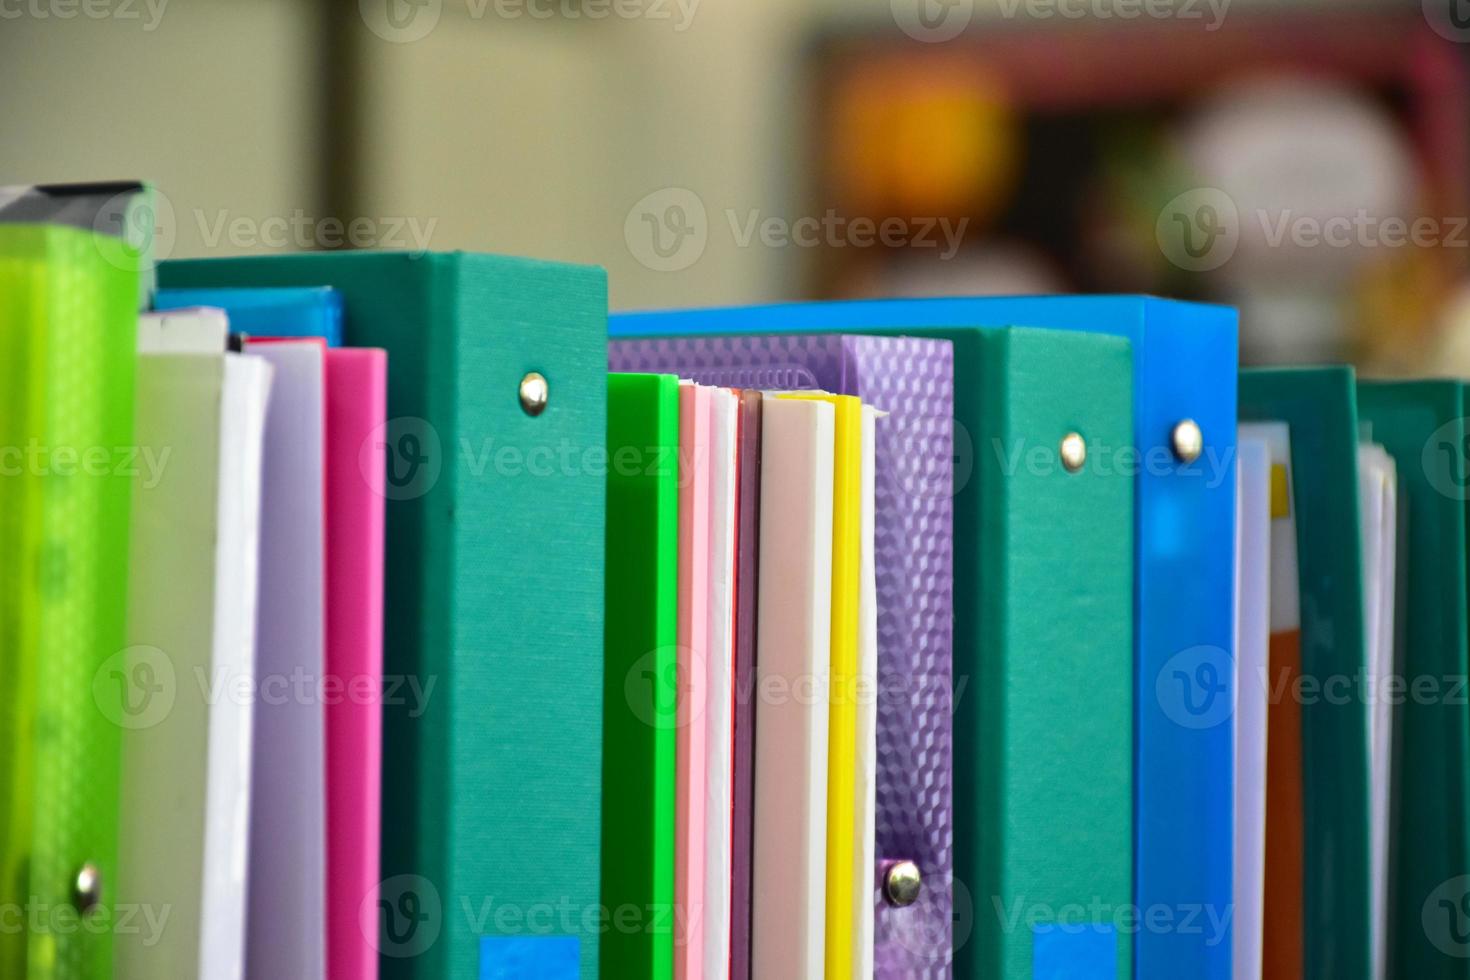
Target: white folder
x=192, y=603
x=287, y=916
x=1252, y=644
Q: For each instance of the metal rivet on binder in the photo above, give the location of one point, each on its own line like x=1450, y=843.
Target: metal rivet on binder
x=534, y=392
x=901, y=883
x=88, y=888
x=1188, y=441
x=1074, y=451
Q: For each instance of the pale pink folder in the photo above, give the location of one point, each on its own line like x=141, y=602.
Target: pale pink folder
x=695, y=480
x=719, y=687
x=357, y=407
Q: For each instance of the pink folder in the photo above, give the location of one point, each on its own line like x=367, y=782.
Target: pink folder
x=357, y=407
x=693, y=673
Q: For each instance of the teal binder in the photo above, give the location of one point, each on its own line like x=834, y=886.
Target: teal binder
x=1320, y=406
x=1423, y=425
x=494, y=594
x=1044, y=785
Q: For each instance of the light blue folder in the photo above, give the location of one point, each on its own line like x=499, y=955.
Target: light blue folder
x=1185, y=363
x=278, y=311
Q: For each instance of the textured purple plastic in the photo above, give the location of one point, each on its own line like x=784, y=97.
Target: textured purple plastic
x=912, y=379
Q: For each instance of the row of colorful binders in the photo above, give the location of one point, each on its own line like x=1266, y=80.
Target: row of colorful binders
x=408, y=615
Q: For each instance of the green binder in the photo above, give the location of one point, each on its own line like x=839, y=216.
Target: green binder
x=1044, y=729
x=494, y=593
x=1320, y=406
x=68, y=328
x=641, y=691
x=1423, y=425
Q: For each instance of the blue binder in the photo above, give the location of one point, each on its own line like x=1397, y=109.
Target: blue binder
x=1185, y=358
x=278, y=311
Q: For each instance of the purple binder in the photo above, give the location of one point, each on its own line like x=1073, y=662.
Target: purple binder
x=912, y=379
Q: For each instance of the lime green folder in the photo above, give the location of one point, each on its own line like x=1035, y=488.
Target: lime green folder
x=68, y=328
x=641, y=689
x=494, y=594
x=1423, y=425
x=1320, y=405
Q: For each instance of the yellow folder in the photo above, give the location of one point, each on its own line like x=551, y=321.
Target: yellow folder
x=842, y=790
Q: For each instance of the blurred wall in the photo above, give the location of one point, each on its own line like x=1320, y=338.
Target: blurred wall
x=213, y=100
x=473, y=124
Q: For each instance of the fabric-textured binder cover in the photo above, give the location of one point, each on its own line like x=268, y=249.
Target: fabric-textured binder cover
x=641, y=689
x=68, y=329
x=299, y=312
x=1320, y=406
x=1050, y=711
x=494, y=595
x=912, y=379
x=357, y=406
x=1423, y=426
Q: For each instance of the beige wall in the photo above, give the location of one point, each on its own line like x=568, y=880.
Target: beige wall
x=494, y=131
x=212, y=103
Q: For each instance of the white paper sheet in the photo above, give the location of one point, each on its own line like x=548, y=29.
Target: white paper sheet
x=1252, y=641
x=865, y=764
x=719, y=706
x=1378, y=502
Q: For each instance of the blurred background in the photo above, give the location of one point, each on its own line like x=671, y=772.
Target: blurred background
x=1308, y=162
